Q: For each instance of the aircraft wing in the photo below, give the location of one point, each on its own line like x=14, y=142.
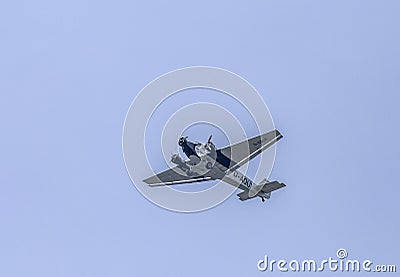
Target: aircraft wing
x=244, y=151
x=173, y=176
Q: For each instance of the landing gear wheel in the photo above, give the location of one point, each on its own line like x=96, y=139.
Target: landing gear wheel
x=262, y=199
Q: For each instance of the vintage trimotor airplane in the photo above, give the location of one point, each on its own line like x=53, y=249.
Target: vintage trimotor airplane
x=208, y=163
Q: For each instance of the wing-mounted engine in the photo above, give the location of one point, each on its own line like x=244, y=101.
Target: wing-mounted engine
x=185, y=166
x=176, y=159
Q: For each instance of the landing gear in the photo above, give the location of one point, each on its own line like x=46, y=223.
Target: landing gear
x=189, y=172
x=262, y=199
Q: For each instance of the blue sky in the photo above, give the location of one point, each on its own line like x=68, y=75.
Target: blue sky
x=328, y=70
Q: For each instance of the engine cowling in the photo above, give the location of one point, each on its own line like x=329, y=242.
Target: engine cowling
x=176, y=159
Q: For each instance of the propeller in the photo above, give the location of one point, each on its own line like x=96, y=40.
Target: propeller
x=209, y=139
x=181, y=136
x=182, y=140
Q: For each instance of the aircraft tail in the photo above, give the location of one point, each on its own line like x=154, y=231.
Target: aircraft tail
x=271, y=186
x=264, y=188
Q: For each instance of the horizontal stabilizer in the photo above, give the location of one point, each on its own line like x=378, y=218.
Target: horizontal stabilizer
x=265, y=191
x=271, y=186
x=244, y=195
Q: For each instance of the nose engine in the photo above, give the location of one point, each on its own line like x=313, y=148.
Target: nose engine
x=211, y=154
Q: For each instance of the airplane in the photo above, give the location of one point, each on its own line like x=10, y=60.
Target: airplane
x=208, y=163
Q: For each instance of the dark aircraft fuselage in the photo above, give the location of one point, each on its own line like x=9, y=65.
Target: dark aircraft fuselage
x=189, y=149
